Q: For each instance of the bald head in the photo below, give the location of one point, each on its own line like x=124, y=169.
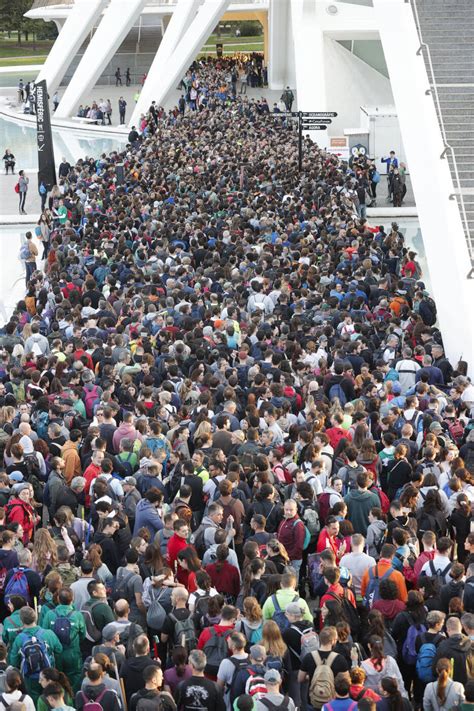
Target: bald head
x=122, y=608
x=453, y=626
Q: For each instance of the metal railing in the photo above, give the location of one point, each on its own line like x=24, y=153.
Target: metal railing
x=447, y=147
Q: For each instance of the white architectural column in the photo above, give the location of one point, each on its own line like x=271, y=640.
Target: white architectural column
x=440, y=221
x=278, y=40
x=309, y=56
x=116, y=23
x=180, y=21
x=81, y=19
x=187, y=48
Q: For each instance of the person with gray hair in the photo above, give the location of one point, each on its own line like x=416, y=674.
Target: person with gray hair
x=407, y=369
x=32, y=577
x=198, y=693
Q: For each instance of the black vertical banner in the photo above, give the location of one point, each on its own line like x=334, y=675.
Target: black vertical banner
x=46, y=168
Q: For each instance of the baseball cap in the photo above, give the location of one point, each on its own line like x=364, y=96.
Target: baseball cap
x=396, y=388
x=108, y=633
x=435, y=426
x=257, y=652
x=273, y=675
x=130, y=480
x=16, y=476
x=293, y=609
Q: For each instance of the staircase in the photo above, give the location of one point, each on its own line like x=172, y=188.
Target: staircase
x=447, y=28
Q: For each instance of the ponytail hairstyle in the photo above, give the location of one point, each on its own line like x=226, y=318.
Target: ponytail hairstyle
x=51, y=674
x=203, y=581
x=377, y=655
x=254, y=567
x=395, y=700
x=443, y=669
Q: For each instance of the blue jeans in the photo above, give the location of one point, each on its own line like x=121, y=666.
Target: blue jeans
x=30, y=267
x=296, y=565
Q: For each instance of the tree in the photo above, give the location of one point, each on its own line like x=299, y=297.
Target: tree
x=12, y=17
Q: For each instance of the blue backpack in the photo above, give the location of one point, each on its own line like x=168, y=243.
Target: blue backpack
x=409, y=654
x=279, y=615
x=372, y=593
x=35, y=656
x=376, y=177
x=18, y=585
x=425, y=659
x=337, y=391
x=62, y=628
x=307, y=534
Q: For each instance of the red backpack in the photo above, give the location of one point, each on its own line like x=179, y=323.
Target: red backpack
x=324, y=507
x=384, y=500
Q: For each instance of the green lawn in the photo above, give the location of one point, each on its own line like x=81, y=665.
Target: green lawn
x=10, y=48
x=19, y=61
x=233, y=44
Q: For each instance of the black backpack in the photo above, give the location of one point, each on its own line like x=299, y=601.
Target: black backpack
x=349, y=613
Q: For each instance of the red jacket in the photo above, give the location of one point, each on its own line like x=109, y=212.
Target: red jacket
x=291, y=534
x=175, y=545
x=423, y=558
x=226, y=579
x=19, y=511
x=91, y=473
x=337, y=589
x=334, y=544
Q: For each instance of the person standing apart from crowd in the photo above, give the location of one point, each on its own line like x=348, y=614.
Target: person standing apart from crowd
x=118, y=77
x=23, y=181
x=55, y=100
x=122, y=106
x=128, y=79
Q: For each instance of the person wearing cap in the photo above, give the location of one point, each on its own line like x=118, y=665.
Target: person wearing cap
x=255, y=667
x=70, y=661
x=273, y=682
x=131, y=498
x=20, y=510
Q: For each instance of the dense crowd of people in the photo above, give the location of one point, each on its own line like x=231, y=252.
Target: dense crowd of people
x=238, y=467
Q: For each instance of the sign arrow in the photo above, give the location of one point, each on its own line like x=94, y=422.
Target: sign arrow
x=316, y=120
x=312, y=127
x=322, y=114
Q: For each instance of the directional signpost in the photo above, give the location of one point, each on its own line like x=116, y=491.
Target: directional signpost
x=311, y=121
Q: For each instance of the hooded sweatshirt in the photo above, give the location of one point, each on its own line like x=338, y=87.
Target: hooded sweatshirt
x=375, y=535
x=132, y=673
x=359, y=502
x=458, y=648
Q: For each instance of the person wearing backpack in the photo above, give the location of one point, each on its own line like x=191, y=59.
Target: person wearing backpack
x=301, y=639
x=292, y=534
x=379, y=665
x=441, y=563
x=426, y=646
x=13, y=624
x=230, y=667
x=273, y=699
x=407, y=627
x=444, y=693
x=131, y=671
x=96, y=613
x=23, y=580
x=457, y=647
x=178, y=627
x=13, y=692
x=129, y=586
x=69, y=627
x=249, y=680
x=95, y=696
x=213, y=640
x=321, y=667
x=369, y=588
x=34, y=649
x=275, y=606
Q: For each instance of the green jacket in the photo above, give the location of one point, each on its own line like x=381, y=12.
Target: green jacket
x=284, y=596
x=78, y=626
x=11, y=626
x=101, y=614
x=55, y=646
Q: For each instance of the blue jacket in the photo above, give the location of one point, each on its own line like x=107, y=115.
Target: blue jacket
x=147, y=515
